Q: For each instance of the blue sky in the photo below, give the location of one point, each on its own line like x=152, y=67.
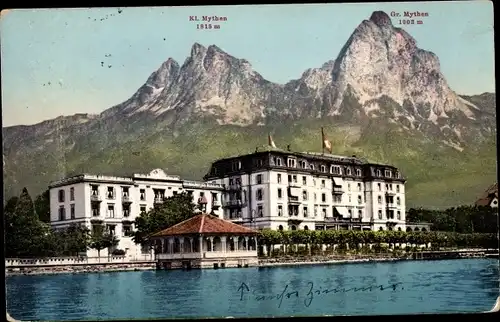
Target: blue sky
x=66, y=47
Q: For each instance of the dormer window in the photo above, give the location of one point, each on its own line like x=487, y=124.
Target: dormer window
x=323, y=168
x=388, y=173
x=358, y=172
x=303, y=164
x=278, y=162
x=291, y=163
x=260, y=163
x=379, y=173
x=311, y=166
x=348, y=171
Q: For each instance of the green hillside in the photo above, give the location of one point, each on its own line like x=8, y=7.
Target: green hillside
x=437, y=176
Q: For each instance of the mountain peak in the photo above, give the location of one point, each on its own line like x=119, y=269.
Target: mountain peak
x=197, y=49
x=381, y=19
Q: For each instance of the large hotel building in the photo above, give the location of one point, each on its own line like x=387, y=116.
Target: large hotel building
x=272, y=188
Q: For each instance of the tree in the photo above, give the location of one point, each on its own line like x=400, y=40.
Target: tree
x=76, y=239
x=24, y=233
x=174, y=210
x=42, y=206
x=101, y=239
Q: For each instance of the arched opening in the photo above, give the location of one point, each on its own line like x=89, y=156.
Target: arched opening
x=293, y=227
x=408, y=229
x=217, y=244
x=416, y=229
x=186, y=246
x=390, y=228
x=177, y=245
x=399, y=228
x=242, y=244
x=380, y=228
x=230, y=244
x=208, y=245
x=196, y=244
x=306, y=228
x=423, y=229
x=252, y=244
x=280, y=227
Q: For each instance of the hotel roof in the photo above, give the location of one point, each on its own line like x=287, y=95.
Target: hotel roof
x=204, y=224
x=488, y=196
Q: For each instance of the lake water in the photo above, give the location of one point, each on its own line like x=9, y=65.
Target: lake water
x=470, y=285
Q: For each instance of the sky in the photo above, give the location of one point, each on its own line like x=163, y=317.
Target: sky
x=66, y=61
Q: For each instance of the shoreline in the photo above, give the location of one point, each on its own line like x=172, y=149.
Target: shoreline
x=263, y=263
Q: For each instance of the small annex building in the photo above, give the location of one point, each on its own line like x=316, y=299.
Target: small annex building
x=205, y=241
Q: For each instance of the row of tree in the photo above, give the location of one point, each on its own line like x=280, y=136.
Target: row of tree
x=28, y=232
x=352, y=239
x=463, y=219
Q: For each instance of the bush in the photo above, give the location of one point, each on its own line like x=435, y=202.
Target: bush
x=118, y=252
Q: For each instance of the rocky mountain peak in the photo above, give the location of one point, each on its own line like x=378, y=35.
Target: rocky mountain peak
x=381, y=19
x=197, y=50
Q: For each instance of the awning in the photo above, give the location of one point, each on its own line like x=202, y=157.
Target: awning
x=202, y=200
x=294, y=191
x=342, y=211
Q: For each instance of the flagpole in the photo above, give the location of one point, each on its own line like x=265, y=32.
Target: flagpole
x=322, y=142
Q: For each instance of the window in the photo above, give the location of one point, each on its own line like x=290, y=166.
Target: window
x=390, y=186
x=379, y=187
x=280, y=193
x=360, y=199
x=260, y=211
x=323, y=183
x=311, y=166
x=359, y=186
x=143, y=209
x=303, y=164
x=398, y=201
x=259, y=194
x=111, y=229
x=315, y=198
x=62, y=213
x=71, y=193
x=259, y=179
x=335, y=169
x=174, y=192
x=337, y=198
x=95, y=190
x=291, y=163
x=388, y=173
x=349, y=187
x=379, y=199
x=323, y=212
x=72, y=211
x=260, y=163
x=127, y=230
x=380, y=214
x=304, y=195
x=397, y=188
x=358, y=172
x=61, y=195
x=280, y=210
x=142, y=193
x=215, y=197
x=279, y=177
x=399, y=215
x=305, y=211
x=111, y=193
x=304, y=180
x=360, y=213
x=294, y=178
x=126, y=211
x=350, y=199
x=379, y=173
x=95, y=211
x=349, y=212
x=323, y=197
x=125, y=192
x=323, y=168
x=231, y=181
x=289, y=178
x=315, y=210
x=348, y=171
x=278, y=162
x=111, y=211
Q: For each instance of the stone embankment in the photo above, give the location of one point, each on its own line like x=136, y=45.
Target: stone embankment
x=93, y=268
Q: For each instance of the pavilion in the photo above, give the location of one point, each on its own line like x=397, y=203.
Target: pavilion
x=205, y=241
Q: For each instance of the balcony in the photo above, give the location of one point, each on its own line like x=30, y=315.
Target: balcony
x=234, y=187
x=95, y=197
x=126, y=199
x=293, y=200
x=391, y=205
x=390, y=193
x=337, y=190
x=234, y=203
x=216, y=203
x=159, y=200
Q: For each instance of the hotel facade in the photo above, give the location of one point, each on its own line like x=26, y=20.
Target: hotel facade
x=115, y=202
x=286, y=190
x=275, y=189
